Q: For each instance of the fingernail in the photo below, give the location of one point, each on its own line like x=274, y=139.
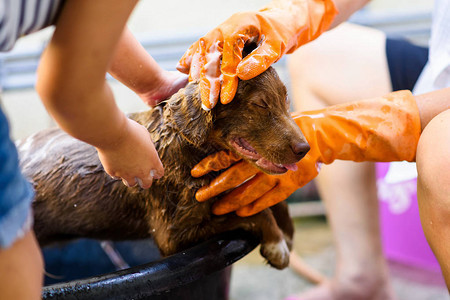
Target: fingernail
x=127, y=184
x=155, y=174
x=139, y=181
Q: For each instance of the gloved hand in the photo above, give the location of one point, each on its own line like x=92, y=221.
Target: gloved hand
x=379, y=129
x=280, y=27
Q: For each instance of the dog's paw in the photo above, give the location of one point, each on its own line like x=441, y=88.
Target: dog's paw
x=277, y=254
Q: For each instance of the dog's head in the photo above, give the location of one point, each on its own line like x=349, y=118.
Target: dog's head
x=257, y=125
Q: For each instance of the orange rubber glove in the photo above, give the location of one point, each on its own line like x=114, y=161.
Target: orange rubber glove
x=379, y=129
x=280, y=27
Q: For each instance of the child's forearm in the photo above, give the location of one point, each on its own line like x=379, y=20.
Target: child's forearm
x=93, y=118
x=71, y=75
x=133, y=66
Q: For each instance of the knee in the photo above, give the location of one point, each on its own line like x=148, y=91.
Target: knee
x=433, y=164
x=309, y=75
x=328, y=71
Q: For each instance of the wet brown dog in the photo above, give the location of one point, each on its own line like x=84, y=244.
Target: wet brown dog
x=75, y=198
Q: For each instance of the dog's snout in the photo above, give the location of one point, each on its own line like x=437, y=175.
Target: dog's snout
x=300, y=149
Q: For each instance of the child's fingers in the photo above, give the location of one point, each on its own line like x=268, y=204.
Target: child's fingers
x=156, y=166
x=129, y=182
x=146, y=182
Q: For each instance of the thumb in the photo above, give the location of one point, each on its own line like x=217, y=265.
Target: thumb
x=258, y=60
x=184, y=64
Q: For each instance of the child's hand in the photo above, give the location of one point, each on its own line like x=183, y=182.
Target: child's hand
x=168, y=83
x=134, y=158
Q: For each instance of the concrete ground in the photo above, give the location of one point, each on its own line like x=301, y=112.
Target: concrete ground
x=252, y=279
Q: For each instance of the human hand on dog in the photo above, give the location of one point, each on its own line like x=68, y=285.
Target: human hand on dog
x=279, y=28
x=133, y=158
x=167, y=84
x=379, y=129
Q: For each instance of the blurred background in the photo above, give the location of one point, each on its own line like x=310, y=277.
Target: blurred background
x=166, y=29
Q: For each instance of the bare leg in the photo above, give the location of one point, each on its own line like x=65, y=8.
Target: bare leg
x=433, y=188
x=21, y=270
x=347, y=64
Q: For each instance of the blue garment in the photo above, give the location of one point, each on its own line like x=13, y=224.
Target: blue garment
x=406, y=62
x=16, y=192
x=17, y=18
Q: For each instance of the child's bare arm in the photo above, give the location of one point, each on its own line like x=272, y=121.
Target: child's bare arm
x=71, y=83
x=135, y=68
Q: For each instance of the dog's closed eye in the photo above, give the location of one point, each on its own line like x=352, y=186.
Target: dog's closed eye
x=261, y=103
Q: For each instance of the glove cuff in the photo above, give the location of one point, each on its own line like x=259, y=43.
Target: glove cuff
x=309, y=18
x=379, y=129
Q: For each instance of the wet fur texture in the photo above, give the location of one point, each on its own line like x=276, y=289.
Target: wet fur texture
x=75, y=198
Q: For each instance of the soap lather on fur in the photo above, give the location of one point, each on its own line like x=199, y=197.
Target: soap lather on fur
x=75, y=198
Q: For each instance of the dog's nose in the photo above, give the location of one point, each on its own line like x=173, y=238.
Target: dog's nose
x=300, y=149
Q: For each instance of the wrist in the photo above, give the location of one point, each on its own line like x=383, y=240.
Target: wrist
x=134, y=66
x=120, y=131
x=165, y=85
x=149, y=83
x=146, y=89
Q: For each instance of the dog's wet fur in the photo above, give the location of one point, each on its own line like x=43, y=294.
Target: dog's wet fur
x=75, y=198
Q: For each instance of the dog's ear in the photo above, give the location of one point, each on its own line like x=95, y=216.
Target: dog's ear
x=191, y=120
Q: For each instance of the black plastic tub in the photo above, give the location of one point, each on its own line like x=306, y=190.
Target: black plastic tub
x=201, y=272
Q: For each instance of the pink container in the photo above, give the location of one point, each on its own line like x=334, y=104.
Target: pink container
x=401, y=231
